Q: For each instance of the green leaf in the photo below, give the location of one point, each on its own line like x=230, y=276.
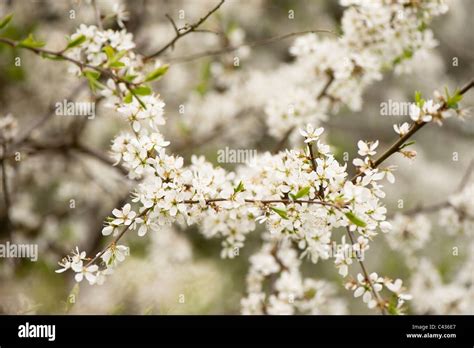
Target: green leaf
x=407, y=54
x=417, y=97
x=423, y=26
x=452, y=101
x=138, y=99
x=392, y=306
x=116, y=65
x=407, y=144
x=93, y=76
x=129, y=78
x=301, y=193
x=280, y=212
x=30, y=42
x=5, y=20
x=419, y=101
x=240, y=187
x=110, y=52
x=50, y=56
x=128, y=98
x=206, y=74
x=157, y=74
x=119, y=55
x=113, y=58
x=355, y=220
x=142, y=90
x=76, y=42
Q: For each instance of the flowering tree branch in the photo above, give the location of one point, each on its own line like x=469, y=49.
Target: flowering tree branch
x=380, y=302
x=415, y=127
x=130, y=85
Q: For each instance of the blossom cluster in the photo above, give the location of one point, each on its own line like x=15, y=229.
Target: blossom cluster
x=369, y=288
x=79, y=263
x=92, y=48
x=328, y=73
x=277, y=263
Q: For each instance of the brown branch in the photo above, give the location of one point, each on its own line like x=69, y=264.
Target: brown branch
x=380, y=301
x=175, y=27
x=99, y=156
x=42, y=120
x=6, y=194
x=311, y=157
x=467, y=175
x=270, y=201
x=65, y=147
x=266, y=41
x=327, y=85
x=415, y=127
x=279, y=146
x=60, y=54
x=116, y=239
x=273, y=277
x=181, y=32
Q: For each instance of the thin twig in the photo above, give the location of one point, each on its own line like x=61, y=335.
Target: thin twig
x=98, y=18
x=24, y=136
x=181, y=32
x=271, y=201
x=327, y=85
x=366, y=276
x=60, y=54
x=467, y=175
x=91, y=152
x=6, y=194
x=279, y=146
x=116, y=239
x=36, y=147
x=266, y=41
x=311, y=157
x=175, y=27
